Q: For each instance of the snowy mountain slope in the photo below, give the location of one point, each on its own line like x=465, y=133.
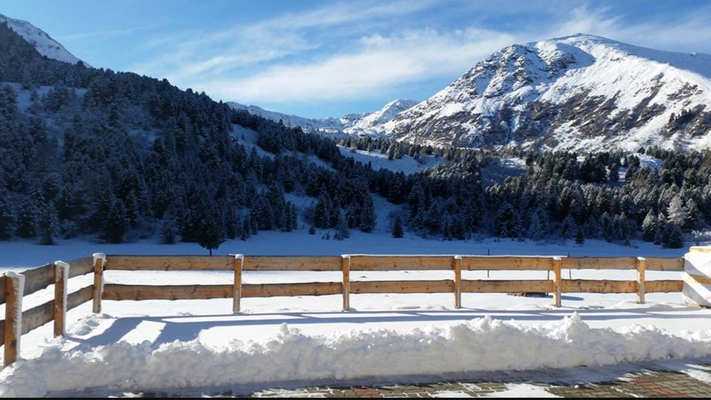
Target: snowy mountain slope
x=369, y=121
x=575, y=92
x=42, y=42
x=356, y=124
x=329, y=125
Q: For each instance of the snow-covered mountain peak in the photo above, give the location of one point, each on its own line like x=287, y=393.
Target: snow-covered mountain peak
x=41, y=41
x=574, y=92
x=385, y=114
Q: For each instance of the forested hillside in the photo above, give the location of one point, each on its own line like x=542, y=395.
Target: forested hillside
x=120, y=157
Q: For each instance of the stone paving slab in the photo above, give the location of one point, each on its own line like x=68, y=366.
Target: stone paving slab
x=655, y=380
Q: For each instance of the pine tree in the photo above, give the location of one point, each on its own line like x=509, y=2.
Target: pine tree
x=254, y=224
x=397, y=231
x=342, y=229
x=695, y=218
x=391, y=151
x=569, y=229
x=649, y=227
x=367, y=215
x=507, y=223
x=614, y=173
x=322, y=212
x=169, y=230
x=677, y=213
x=117, y=223
x=580, y=237
x=210, y=232
x=294, y=220
x=246, y=229
x=672, y=237
x=457, y=229
x=537, y=227
x=27, y=220
x=661, y=227
x=6, y=217
x=48, y=225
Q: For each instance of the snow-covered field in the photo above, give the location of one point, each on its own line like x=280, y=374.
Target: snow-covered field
x=200, y=343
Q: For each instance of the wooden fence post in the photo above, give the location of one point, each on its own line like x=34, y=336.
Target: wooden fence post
x=557, y=281
x=14, y=291
x=641, y=277
x=61, y=276
x=346, y=266
x=457, y=282
x=99, y=263
x=237, y=292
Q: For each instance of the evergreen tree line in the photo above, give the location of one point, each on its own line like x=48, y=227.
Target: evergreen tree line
x=93, y=152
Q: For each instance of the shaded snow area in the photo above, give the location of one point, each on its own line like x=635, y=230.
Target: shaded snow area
x=378, y=161
x=291, y=355
x=24, y=254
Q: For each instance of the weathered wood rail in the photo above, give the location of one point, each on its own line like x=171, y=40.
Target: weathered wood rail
x=19, y=322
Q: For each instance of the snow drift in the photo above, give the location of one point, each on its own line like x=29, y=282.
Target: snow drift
x=482, y=344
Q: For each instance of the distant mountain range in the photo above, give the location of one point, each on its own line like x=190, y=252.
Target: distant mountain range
x=355, y=124
x=580, y=92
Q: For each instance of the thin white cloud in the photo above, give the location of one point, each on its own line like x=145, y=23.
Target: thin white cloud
x=680, y=34
x=363, y=66
x=381, y=63
x=347, y=12
x=184, y=58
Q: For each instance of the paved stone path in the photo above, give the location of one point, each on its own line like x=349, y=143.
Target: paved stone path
x=670, y=379
x=653, y=384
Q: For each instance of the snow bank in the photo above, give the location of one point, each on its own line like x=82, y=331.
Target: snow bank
x=482, y=344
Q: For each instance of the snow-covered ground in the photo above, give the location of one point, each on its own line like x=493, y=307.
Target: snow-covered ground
x=200, y=343
x=28, y=254
x=406, y=164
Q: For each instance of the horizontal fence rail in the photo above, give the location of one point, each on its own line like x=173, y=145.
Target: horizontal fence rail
x=382, y=263
x=18, y=322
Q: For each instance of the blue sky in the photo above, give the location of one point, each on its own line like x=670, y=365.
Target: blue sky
x=326, y=58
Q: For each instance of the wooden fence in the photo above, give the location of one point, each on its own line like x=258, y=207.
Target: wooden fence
x=18, y=322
